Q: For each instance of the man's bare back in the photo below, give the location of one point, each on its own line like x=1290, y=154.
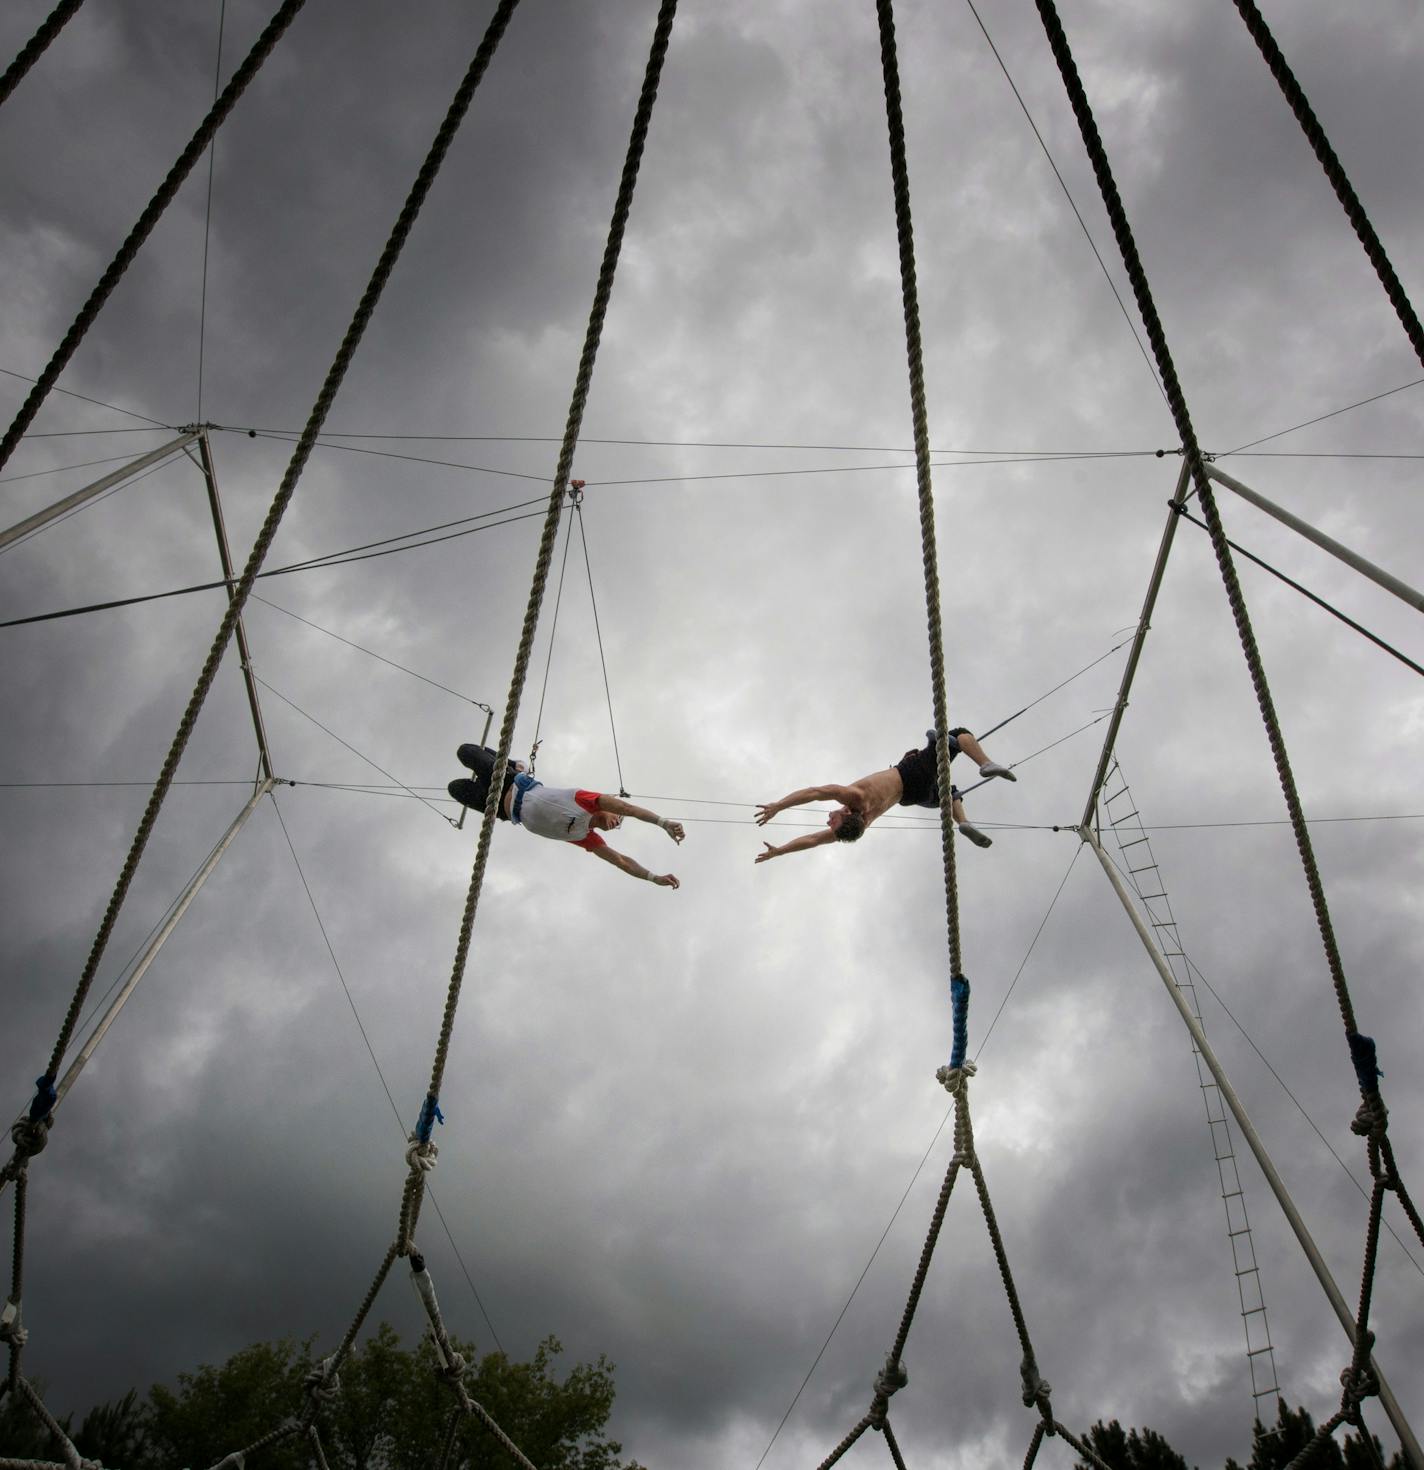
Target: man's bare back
x=872, y=796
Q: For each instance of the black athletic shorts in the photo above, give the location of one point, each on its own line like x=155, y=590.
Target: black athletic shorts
x=918, y=774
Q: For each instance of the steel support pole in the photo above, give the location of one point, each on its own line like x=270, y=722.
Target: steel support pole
x=1353, y=559
x=1144, y=622
x=210, y=478
x=151, y=949
x=134, y=467
x=1388, y=1401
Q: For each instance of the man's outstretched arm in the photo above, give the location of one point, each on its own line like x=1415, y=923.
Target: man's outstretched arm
x=797, y=844
x=621, y=808
x=847, y=795
x=633, y=868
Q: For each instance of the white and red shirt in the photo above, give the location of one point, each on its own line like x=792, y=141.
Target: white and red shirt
x=560, y=813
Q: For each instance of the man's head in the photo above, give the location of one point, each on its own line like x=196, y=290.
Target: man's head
x=846, y=824
x=605, y=821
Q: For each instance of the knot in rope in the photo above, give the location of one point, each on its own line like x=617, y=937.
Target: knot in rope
x=1371, y=1119
x=420, y=1157
x=1035, y=1389
x=11, y=1330
x=1359, y=1384
x=953, y=1079
x=889, y=1380
x=29, y=1137
x=454, y=1369
x=323, y=1384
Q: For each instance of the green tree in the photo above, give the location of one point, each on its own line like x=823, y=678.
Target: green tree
x=1132, y=1449
x=1294, y=1429
x=392, y=1413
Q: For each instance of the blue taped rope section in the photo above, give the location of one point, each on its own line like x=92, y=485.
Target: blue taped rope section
x=44, y=1100
x=430, y=1115
x=1362, y=1053
x=959, y=1003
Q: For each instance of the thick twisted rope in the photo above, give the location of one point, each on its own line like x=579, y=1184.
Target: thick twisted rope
x=509, y=1446
x=1192, y=453
x=893, y=1445
x=153, y=211
x=1335, y=172
x=845, y=1444
x=35, y=47
x=910, y=295
x=604, y=290
x=379, y=277
x=962, y=1142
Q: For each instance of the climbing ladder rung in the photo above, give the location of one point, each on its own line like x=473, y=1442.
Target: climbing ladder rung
x=1145, y=897
x=1256, y=1352
x=1133, y=843
x=1145, y=868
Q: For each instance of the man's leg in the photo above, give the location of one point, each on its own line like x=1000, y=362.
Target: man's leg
x=477, y=758
x=976, y=752
x=978, y=838
x=470, y=793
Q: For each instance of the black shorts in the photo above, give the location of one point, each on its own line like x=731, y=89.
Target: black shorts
x=919, y=775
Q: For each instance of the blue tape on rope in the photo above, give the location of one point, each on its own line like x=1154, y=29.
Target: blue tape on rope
x=44, y=1099
x=430, y=1115
x=959, y=1002
x=1362, y=1053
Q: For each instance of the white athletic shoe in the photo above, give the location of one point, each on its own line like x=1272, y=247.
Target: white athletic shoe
x=977, y=837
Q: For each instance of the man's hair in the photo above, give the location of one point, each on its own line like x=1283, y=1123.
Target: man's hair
x=851, y=827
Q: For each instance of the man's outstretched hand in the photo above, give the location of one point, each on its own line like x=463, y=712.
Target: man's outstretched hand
x=766, y=813
x=664, y=880
x=675, y=831
x=771, y=852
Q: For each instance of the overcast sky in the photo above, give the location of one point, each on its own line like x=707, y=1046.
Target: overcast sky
x=678, y=1123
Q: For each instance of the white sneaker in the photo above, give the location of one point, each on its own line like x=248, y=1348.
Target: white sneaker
x=993, y=768
x=977, y=837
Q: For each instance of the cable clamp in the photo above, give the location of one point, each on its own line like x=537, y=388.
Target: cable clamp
x=576, y=491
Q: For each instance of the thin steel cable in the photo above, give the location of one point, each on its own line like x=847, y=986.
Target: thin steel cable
x=1306, y=592
x=1335, y=172
x=371, y=653
x=603, y=662
x=153, y=211
x=994, y=729
x=97, y=402
x=337, y=373
x=1072, y=203
x=1320, y=419
x=1284, y=1086
x=604, y=290
x=292, y=704
x=553, y=634
x=840, y=1316
x=909, y=292
x=208, y=214
x=35, y=47
x=314, y=564
x=1092, y=139
x=375, y=1062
